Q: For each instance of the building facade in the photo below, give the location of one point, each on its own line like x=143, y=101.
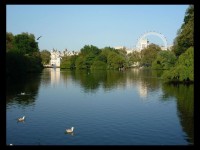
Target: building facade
x=55, y=58
x=143, y=44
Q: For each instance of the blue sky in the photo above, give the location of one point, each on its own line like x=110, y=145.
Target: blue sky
x=73, y=26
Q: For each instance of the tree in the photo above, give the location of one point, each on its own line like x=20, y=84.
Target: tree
x=25, y=43
x=134, y=57
x=148, y=55
x=90, y=49
x=185, y=35
x=45, y=56
x=183, y=71
x=68, y=62
x=22, y=54
x=9, y=41
x=164, y=60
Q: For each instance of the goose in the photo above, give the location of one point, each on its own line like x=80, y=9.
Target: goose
x=70, y=130
x=21, y=119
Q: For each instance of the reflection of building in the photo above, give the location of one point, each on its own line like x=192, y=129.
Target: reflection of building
x=55, y=75
x=142, y=88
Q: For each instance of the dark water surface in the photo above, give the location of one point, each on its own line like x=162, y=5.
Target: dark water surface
x=132, y=107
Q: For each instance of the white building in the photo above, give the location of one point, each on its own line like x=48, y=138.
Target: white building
x=120, y=47
x=143, y=44
x=55, y=58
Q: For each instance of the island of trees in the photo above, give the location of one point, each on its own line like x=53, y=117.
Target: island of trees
x=23, y=55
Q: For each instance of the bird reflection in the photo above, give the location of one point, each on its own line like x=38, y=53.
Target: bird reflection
x=72, y=133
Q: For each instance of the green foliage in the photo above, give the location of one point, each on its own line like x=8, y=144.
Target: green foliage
x=15, y=64
x=73, y=61
x=33, y=62
x=46, y=57
x=148, y=55
x=90, y=49
x=115, y=60
x=65, y=63
x=25, y=43
x=101, y=57
x=183, y=70
x=68, y=62
x=9, y=41
x=87, y=57
x=22, y=54
x=93, y=58
x=80, y=63
x=99, y=65
x=134, y=57
x=185, y=37
x=164, y=60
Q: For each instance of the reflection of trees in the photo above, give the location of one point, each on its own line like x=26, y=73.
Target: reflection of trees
x=91, y=80
x=114, y=79
x=28, y=84
x=46, y=76
x=185, y=105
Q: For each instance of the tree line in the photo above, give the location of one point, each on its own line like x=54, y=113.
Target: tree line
x=23, y=55
x=178, y=63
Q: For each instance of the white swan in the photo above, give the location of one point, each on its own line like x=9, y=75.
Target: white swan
x=70, y=130
x=21, y=119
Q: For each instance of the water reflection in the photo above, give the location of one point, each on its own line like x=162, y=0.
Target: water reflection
x=145, y=81
x=185, y=106
x=29, y=85
x=91, y=81
x=72, y=134
x=55, y=76
x=136, y=83
x=142, y=88
x=46, y=77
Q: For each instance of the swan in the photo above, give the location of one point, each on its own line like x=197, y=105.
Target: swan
x=70, y=130
x=21, y=119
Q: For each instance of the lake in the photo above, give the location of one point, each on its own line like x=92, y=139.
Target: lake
x=132, y=107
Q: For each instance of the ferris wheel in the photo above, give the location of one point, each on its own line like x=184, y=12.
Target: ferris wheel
x=161, y=36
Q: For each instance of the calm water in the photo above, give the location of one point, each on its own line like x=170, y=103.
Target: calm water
x=105, y=108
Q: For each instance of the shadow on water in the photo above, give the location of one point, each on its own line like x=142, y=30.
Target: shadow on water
x=22, y=90
x=185, y=106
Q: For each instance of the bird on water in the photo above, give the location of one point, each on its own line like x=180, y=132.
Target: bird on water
x=70, y=130
x=21, y=119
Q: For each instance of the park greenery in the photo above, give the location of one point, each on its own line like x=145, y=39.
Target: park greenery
x=23, y=55
x=183, y=69
x=45, y=56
